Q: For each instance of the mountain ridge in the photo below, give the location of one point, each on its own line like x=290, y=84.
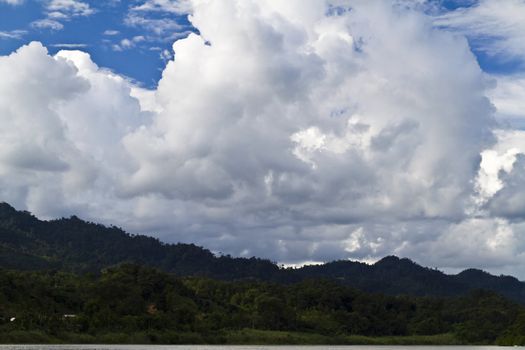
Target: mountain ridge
x=75, y=245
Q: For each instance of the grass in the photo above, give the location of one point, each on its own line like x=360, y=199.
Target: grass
x=237, y=337
x=260, y=337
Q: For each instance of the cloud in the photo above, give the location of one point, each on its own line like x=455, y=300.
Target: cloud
x=503, y=172
x=292, y=122
x=12, y=34
x=69, y=8
x=496, y=27
x=12, y=2
x=70, y=46
x=509, y=99
x=126, y=44
x=509, y=202
x=34, y=145
x=170, y=6
x=58, y=11
x=47, y=24
x=111, y=32
x=163, y=20
x=495, y=239
x=158, y=26
x=61, y=116
x=166, y=55
x=281, y=130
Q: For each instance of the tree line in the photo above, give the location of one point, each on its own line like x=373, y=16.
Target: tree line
x=134, y=303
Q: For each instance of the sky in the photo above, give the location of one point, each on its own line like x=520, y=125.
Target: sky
x=132, y=37
x=301, y=131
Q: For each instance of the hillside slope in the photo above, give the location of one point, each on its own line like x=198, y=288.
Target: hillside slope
x=74, y=245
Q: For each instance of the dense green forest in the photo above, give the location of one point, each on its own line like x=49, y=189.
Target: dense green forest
x=130, y=303
x=73, y=281
x=74, y=245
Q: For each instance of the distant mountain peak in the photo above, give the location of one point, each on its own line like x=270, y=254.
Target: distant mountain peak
x=394, y=261
x=474, y=272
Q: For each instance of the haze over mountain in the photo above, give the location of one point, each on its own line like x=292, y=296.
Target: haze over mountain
x=27, y=243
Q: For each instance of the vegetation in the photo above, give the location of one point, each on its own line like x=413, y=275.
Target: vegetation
x=71, y=281
x=73, y=245
x=135, y=304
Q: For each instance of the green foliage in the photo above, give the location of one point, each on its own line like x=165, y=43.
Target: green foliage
x=94, y=286
x=515, y=334
x=130, y=303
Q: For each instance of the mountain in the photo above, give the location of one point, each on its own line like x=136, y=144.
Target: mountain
x=74, y=245
x=392, y=275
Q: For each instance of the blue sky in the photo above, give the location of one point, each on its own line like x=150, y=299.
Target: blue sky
x=100, y=31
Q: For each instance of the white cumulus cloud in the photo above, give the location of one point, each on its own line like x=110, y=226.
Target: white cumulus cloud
x=294, y=130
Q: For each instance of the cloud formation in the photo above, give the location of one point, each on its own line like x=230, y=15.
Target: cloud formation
x=173, y=6
x=496, y=27
x=126, y=44
x=12, y=2
x=47, y=23
x=162, y=20
x=298, y=131
x=509, y=100
x=12, y=34
x=68, y=8
x=58, y=11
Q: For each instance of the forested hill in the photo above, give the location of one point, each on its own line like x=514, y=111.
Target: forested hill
x=74, y=245
x=139, y=305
